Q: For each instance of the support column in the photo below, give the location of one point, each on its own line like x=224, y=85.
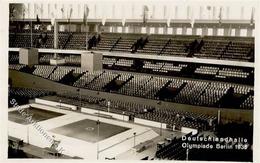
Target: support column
x=215, y=31
x=174, y=30
x=156, y=30
x=249, y=32
x=237, y=31
x=147, y=30
x=184, y=30
x=56, y=33
x=123, y=29
x=204, y=31
x=194, y=31
x=96, y=28
x=114, y=29
x=226, y=32
x=165, y=30
x=130, y=29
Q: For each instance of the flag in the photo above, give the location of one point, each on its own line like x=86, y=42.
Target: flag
x=62, y=12
x=52, y=19
x=123, y=22
x=145, y=14
x=220, y=16
x=252, y=16
x=23, y=14
x=86, y=12
x=38, y=19
x=70, y=13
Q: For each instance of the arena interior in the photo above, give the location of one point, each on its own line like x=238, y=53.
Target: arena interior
x=132, y=80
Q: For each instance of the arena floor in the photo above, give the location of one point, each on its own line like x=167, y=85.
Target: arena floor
x=37, y=115
x=87, y=130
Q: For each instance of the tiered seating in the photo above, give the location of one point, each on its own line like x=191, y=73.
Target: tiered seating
x=43, y=70
x=150, y=89
x=173, y=150
x=212, y=49
x=178, y=119
x=21, y=40
x=231, y=48
x=126, y=42
x=213, y=93
x=172, y=67
x=116, y=106
x=87, y=78
x=248, y=103
x=109, y=61
x=72, y=59
x=16, y=66
x=191, y=92
x=45, y=58
x=232, y=72
x=101, y=81
x=137, y=82
x=238, y=50
x=62, y=37
x=154, y=45
x=107, y=41
x=207, y=70
x=29, y=93
x=124, y=62
x=127, y=108
x=241, y=89
x=124, y=77
x=177, y=47
x=153, y=66
x=13, y=58
x=77, y=41
x=60, y=72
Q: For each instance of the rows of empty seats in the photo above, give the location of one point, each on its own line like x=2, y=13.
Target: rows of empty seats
x=218, y=48
x=45, y=58
x=137, y=82
x=177, y=119
x=248, y=103
x=16, y=66
x=60, y=72
x=29, y=92
x=87, y=78
x=72, y=59
x=153, y=66
x=232, y=72
x=154, y=45
x=109, y=61
x=101, y=81
x=213, y=93
x=177, y=47
x=43, y=70
x=212, y=49
x=171, y=149
x=191, y=92
x=172, y=67
x=77, y=41
x=13, y=58
x=124, y=62
x=208, y=70
x=107, y=41
x=194, y=92
x=150, y=89
x=126, y=42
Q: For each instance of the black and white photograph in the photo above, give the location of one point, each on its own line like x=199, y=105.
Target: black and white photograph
x=131, y=80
